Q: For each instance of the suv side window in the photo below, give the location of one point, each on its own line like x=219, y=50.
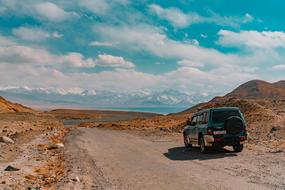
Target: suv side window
x=205, y=118
x=194, y=120
x=200, y=119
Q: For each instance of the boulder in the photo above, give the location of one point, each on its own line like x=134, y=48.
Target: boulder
x=55, y=146
x=5, y=139
x=11, y=169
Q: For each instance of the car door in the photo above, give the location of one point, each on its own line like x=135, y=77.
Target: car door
x=196, y=128
x=203, y=124
x=192, y=128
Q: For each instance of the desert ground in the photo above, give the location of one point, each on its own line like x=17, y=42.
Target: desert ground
x=114, y=159
x=87, y=149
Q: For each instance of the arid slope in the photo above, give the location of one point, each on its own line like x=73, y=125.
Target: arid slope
x=7, y=106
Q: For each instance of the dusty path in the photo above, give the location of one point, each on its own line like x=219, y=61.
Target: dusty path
x=111, y=159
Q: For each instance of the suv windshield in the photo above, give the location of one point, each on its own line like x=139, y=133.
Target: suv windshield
x=221, y=116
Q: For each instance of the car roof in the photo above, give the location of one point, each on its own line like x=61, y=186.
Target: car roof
x=216, y=109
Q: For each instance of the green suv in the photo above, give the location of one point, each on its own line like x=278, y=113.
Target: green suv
x=216, y=128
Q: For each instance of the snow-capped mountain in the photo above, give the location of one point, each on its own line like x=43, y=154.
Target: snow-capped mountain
x=91, y=98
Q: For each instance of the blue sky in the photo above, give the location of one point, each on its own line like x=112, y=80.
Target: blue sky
x=194, y=46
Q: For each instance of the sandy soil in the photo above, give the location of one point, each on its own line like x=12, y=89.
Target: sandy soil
x=112, y=159
x=73, y=117
x=34, y=153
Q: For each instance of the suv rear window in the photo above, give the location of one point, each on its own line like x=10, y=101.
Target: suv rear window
x=221, y=116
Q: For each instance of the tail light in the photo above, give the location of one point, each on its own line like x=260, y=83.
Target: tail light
x=209, y=131
x=218, y=139
x=242, y=138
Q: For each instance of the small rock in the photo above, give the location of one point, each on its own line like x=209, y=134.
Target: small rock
x=5, y=139
x=76, y=179
x=55, y=146
x=60, y=145
x=276, y=151
x=11, y=168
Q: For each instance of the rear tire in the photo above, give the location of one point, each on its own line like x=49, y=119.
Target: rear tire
x=186, y=141
x=238, y=148
x=203, y=148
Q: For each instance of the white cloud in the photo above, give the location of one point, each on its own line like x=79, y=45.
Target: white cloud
x=76, y=60
x=34, y=34
x=252, y=39
x=192, y=42
x=176, y=17
x=14, y=53
x=52, y=12
x=204, y=36
x=104, y=44
x=102, y=7
x=248, y=18
x=56, y=35
x=96, y=6
x=279, y=67
x=39, y=77
x=188, y=63
x=180, y=19
x=106, y=60
x=153, y=40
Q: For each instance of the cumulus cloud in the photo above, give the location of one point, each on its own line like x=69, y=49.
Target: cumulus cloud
x=279, y=67
x=102, y=7
x=153, y=40
x=52, y=12
x=34, y=34
x=76, y=60
x=14, y=53
x=106, y=60
x=104, y=44
x=36, y=77
x=180, y=19
x=96, y=6
x=252, y=39
x=188, y=63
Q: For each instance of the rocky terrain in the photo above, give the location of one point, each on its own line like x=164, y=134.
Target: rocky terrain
x=6, y=106
x=258, y=89
x=31, y=155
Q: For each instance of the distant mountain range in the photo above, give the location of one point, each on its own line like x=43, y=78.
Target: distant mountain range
x=91, y=99
x=81, y=98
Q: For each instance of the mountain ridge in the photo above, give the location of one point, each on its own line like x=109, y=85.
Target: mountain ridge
x=259, y=89
x=7, y=106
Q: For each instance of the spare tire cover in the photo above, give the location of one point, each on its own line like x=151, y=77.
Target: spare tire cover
x=234, y=125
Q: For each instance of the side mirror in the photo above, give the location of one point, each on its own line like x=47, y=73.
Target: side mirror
x=188, y=122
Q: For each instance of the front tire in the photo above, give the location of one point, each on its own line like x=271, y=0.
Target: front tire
x=186, y=141
x=203, y=148
x=238, y=148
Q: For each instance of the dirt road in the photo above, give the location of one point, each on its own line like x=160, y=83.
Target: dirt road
x=109, y=159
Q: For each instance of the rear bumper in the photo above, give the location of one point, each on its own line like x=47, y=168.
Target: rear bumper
x=210, y=140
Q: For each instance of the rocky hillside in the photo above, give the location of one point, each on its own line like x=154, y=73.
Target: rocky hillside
x=7, y=106
x=257, y=89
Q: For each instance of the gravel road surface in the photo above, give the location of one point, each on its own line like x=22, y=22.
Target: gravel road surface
x=111, y=159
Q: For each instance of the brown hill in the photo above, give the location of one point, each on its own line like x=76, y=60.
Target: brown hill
x=7, y=106
x=258, y=89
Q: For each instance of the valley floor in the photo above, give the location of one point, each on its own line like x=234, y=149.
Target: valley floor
x=112, y=159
